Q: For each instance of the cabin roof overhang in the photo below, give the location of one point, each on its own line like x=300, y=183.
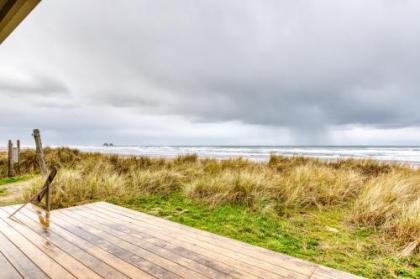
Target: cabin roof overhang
x=12, y=13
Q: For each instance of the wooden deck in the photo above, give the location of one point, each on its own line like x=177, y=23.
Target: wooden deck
x=101, y=240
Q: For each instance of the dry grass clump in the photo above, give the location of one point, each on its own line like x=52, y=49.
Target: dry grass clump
x=282, y=163
x=124, y=165
x=72, y=186
x=392, y=203
x=302, y=186
x=231, y=186
x=189, y=158
x=154, y=182
x=313, y=185
x=369, y=168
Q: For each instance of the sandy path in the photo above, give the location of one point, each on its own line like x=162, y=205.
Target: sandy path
x=14, y=192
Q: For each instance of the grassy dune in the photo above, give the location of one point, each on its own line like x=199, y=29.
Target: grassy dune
x=353, y=215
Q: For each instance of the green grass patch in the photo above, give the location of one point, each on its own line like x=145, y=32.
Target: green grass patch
x=318, y=236
x=3, y=192
x=15, y=179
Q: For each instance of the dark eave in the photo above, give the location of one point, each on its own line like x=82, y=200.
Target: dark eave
x=12, y=13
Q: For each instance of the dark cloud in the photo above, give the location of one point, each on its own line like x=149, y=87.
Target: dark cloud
x=308, y=67
x=35, y=85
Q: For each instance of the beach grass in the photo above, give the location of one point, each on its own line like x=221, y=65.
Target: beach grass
x=355, y=215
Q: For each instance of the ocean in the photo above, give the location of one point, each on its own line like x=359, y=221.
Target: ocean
x=401, y=154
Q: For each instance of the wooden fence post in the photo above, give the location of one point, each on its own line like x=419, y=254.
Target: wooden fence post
x=10, y=169
x=40, y=152
x=18, y=156
x=18, y=149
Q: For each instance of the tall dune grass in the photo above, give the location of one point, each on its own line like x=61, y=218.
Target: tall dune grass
x=381, y=196
x=391, y=202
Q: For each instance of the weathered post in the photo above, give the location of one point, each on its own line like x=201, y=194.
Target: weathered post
x=40, y=152
x=18, y=149
x=10, y=170
x=18, y=156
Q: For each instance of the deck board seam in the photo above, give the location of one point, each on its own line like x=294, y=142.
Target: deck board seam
x=56, y=246
x=231, y=266
x=313, y=272
x=36, y=247
x=20, y=250
x=103, y=240
x=93, y=244
x=157, y=255
x=11, y=264
x=221, y=247
x=122, y=259
x=202, y=233
x=235, y=259
x=166, y=242
x=148, y=272
x=150, y=250
x=208, y=241
x=64, y=251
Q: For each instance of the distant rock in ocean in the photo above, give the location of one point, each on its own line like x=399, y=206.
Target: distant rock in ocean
x=108, y=144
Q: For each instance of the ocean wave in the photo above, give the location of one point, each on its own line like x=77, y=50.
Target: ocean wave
x=262, y=153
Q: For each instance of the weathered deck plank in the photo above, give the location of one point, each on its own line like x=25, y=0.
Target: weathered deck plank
x=168, y=268
x=18, y=259
x=102, y=255
x=102, y=240
x=75, y=267
x=188, y=242
x=7, y=269
x=44, y=262
x=268, y=259
x=152, y=248
x=90, y=261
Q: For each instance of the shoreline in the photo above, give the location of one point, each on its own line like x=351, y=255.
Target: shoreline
x=262, y=158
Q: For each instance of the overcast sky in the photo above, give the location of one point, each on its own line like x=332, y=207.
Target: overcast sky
x=234, y=72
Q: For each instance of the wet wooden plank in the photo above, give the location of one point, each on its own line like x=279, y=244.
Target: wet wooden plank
x=25, y=266
x=90, y=261
x=74, y=267
x=258, y=253
x=7, y=270
x=120, y=232
x=101, y=240
x=157, y=237
x=44, y=262
x=115, y=249
x=278, y=259
x=153, y=258
x=256, y=265
x=124, y=267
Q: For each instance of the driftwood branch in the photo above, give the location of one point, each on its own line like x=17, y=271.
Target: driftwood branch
x=45, y=191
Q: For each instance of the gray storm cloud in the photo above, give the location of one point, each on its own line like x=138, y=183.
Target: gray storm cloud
x=304, y=66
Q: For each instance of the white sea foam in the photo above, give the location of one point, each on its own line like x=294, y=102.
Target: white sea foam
x=410, y=155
